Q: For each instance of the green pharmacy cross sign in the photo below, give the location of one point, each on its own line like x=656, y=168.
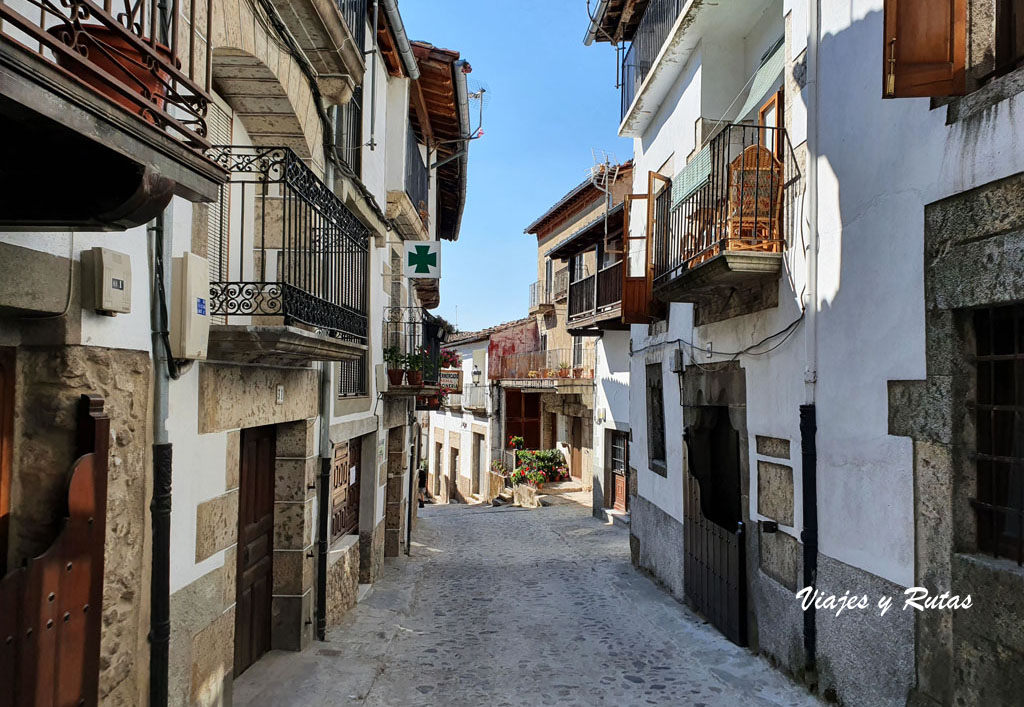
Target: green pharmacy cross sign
x=423, y=260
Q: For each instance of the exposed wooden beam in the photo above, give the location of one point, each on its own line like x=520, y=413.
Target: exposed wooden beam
x=419, y=105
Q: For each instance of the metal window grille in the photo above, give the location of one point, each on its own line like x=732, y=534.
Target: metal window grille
x=349, y=141
x=352, y=377
x=999, y=424
x=651, y=33
x=354, y=12
x=417, y=177
x=655, y=414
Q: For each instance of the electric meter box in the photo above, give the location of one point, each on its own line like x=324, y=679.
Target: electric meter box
x=190, y=307
x=106, y=281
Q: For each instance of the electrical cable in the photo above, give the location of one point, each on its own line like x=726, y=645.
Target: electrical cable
x=173, y=369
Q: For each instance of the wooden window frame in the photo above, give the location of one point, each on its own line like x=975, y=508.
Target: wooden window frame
x=777, y=102
x=946, y=74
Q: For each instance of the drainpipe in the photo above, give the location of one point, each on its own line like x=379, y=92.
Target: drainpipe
x=808, y=412
x=461, y=68
x=326, y=456
x=404, y=48
x=160, y=506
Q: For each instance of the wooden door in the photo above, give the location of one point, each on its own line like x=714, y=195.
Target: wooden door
x=453, y=476
x=345, y=488
x=6, y=443
x=576, y=445
x=522, y=417
x=255, y=546
x=618, y=463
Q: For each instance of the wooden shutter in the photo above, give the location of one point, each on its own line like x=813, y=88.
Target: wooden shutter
x=925, y=48
x=636, y=294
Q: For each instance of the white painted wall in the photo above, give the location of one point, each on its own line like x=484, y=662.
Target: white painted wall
x=611, y=395
x=881, y=162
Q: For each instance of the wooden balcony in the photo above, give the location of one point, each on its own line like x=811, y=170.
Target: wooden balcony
x=595, y=301
x=122, y=90
x=720, y=228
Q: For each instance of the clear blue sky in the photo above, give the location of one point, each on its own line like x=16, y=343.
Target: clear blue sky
x=551, y=101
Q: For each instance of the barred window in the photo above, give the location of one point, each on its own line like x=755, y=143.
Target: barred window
x=352, y=377
x=999, y=423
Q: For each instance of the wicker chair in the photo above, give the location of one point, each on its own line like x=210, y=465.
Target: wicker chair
x=755, y=198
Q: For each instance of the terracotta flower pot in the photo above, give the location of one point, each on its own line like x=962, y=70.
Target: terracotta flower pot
x=415, y=377
x=112, y=52
x=577, y=373
x=395, y=376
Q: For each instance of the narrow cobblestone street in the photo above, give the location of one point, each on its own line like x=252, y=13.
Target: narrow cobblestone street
x=505, y=606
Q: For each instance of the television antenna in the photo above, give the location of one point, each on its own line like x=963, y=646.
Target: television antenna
x=603, y=174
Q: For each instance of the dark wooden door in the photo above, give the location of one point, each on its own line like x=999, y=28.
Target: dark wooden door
x=6, y=444
x=345, y=488
x=255, y=546
x=522, y=417
x=576, y=444
x=453, y=476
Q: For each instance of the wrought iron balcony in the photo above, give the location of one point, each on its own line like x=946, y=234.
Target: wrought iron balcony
x=476, y=397
x=417, y=177
x=296, y=254
x=413, y=333
x=129, y=54
x=541, y=299
x=550, y=367
x=653, y=30
x=723, y=219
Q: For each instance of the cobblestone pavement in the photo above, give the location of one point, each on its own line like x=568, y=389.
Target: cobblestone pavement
x=508, y=606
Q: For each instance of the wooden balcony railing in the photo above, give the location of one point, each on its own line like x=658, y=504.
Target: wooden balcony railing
x=730, y=199
x=143, y=56
x=596, y=293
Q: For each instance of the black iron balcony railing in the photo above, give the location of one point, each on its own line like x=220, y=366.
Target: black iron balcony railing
x=415, y=334
x=417, y=178
x=547, y=364
x=349, y=132
x=129, y=53
x=296, y=251
x=729, y=198
x=354, y=12
x=657, y=22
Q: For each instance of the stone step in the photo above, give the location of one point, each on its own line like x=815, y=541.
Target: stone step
x=571, y=486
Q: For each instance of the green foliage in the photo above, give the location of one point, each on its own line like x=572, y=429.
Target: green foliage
x=393, y=357
x=538, y=467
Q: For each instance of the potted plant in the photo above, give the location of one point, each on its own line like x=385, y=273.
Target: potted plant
x=450, y=359
x=394, y=360
x=577, y=372
x=563, y=369
x=114, y=52
x=516, y=442
x=414, y=363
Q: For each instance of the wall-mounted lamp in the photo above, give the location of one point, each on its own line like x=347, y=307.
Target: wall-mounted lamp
x=476, y=374
x=601, y=416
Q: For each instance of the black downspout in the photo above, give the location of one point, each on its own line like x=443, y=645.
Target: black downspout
x=160, y=585
x=322, y=544
x=809, y=454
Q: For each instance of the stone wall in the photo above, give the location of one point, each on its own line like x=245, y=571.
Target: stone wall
x=50, y=381
x=342, y=578
x=972, y=258
x=371, y=554
x=656, y=544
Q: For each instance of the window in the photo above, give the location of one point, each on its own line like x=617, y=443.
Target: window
x=349, y=139
x=999, y=424
x=543, y=342
x=352, y=377
x=577, y=351
x=618, y=451
x=548, y=279
x=924, y=49
x=577, y=268
x=1009, y=39
x=655, y=419
x=219, y=125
